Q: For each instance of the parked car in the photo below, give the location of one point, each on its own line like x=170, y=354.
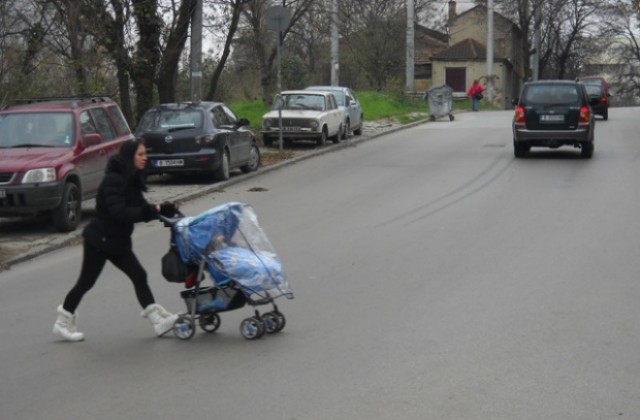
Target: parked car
x=306, y=115
x=53, y=154
x=553, y=113
x=206, y=137
x=352, y=115
x=597, y=88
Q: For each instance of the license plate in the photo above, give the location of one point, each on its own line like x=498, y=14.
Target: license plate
x=551, y=118
x=3, y=193
x=290, y=128
x=169, y=162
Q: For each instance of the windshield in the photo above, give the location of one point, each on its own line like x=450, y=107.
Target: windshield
x=171, y=120
x=300, y=101
x=37, y=129
x=556, y=94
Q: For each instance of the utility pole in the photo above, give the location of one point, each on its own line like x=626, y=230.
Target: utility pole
x=196, y=53
x=490, y=51
x=335, y=57
x=536, y=40
x=410, y=70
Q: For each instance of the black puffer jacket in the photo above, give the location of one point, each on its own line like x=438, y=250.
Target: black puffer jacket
x=119, y=204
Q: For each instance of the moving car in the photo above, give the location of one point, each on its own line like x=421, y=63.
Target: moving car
x=597, y=88
x=53, y=154
x=306, y=115
x=352, y=115
x=206, y=137
x=553, y=113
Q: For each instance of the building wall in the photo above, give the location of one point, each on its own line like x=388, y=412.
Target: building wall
x=504, y=90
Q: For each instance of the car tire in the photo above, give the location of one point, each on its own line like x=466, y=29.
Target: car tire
x=605, y=114
x=322, y=140
x=338, y=137
x=358, y=131
x=347, y=130
x=519, y=149
x=66, y=216
x=587, y=150
x=223, y=171
x=254, y=160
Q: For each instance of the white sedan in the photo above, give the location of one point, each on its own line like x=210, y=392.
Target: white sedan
x=303, y=115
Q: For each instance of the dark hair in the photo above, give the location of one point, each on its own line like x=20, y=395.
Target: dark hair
x=127, y=154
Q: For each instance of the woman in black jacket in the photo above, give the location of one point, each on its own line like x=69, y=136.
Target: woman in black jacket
x=119, y=204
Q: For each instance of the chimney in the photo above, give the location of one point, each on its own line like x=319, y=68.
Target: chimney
x=452, y=10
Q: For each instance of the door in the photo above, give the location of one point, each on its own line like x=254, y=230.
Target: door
x=456, y=78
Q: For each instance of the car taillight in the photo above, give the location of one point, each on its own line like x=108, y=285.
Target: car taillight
x=604, y=100
x=520, y=114
x=584, y=114
x=519, y=119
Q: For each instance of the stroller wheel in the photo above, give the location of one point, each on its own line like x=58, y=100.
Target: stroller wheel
x=184, y=327
x=252, y=328
x=271, y=322
x=210, y=322
x=279, y=319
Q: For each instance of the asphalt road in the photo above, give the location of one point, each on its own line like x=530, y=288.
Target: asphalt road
x=24, y=238
x=435, y=277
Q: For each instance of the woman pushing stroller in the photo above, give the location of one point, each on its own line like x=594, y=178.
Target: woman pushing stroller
x=120, y=204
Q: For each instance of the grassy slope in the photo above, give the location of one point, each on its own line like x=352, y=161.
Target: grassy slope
x=376, y=106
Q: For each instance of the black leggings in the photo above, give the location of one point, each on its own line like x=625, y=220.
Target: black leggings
x=93, y=262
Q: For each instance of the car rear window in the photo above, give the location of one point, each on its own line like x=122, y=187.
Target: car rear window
x=594, y=89
x=551, y=94
x=168, y=119
x=38, y=129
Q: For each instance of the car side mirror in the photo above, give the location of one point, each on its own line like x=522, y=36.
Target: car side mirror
x=243, y=122
x=92, y=139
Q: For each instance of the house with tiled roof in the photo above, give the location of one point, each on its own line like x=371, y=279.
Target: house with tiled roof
x=465, y=60
x=428, y=43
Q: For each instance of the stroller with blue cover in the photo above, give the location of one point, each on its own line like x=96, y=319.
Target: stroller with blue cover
x=226, y=244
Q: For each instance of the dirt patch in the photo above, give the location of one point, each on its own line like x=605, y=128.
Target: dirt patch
x=273, y=157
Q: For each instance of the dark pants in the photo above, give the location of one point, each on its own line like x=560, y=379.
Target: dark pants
x=93, y=262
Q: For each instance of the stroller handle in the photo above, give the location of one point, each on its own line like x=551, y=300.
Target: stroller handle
x=171, y=221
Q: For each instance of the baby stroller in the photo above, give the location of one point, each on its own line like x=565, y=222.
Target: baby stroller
x=226, y=244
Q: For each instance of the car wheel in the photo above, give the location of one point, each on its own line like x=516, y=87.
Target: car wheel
x=322, y=140
x=222, y=172
x=254, y=160
x=605, y=114
x=358, y=131
x=67, y=215
x=338, y=137
x=519, y=149
x=587, y=150
x=347, y=130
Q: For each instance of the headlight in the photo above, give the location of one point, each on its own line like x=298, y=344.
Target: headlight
x=314, y=124
x=39, y=175
x=206, y=139
x=266, y=124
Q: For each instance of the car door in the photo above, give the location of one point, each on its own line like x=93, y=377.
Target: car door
x=90, y=161
x=355, y=112
x=239, y=138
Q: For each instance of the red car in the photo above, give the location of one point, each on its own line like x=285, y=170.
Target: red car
x=602, y=107
x=53, y=154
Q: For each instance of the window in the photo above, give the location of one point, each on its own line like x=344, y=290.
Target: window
x=103, y=124
x=123, y=127
x=86, y=123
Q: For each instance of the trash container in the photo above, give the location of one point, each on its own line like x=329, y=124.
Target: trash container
x=440, y=99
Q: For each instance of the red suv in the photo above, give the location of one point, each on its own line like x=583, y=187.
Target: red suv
x=53, y=153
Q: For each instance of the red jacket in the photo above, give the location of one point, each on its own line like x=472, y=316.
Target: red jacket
x=474, y=90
